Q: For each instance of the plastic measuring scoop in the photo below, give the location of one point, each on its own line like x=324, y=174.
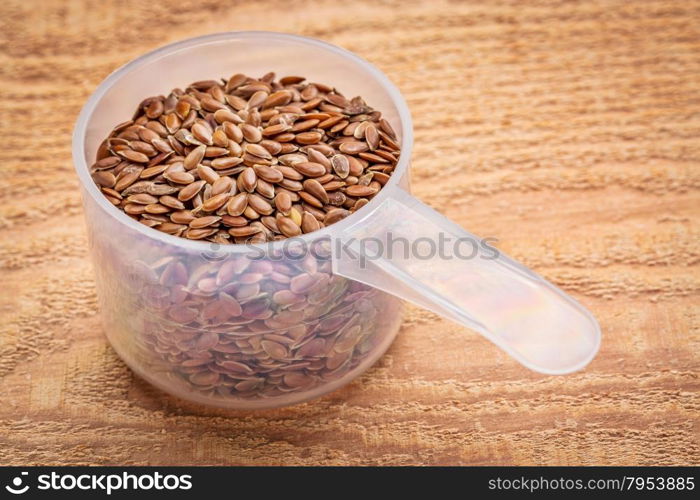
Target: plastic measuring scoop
x=395, y=248
x=139, y=271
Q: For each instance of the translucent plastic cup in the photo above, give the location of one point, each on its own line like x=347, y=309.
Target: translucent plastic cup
x=259, y=326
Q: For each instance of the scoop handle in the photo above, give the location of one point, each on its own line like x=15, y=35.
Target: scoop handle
x=405, y=248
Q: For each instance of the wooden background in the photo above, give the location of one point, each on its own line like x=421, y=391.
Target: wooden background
x=567, y=130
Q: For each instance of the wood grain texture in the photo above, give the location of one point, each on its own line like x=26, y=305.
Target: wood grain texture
x=567, y=130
